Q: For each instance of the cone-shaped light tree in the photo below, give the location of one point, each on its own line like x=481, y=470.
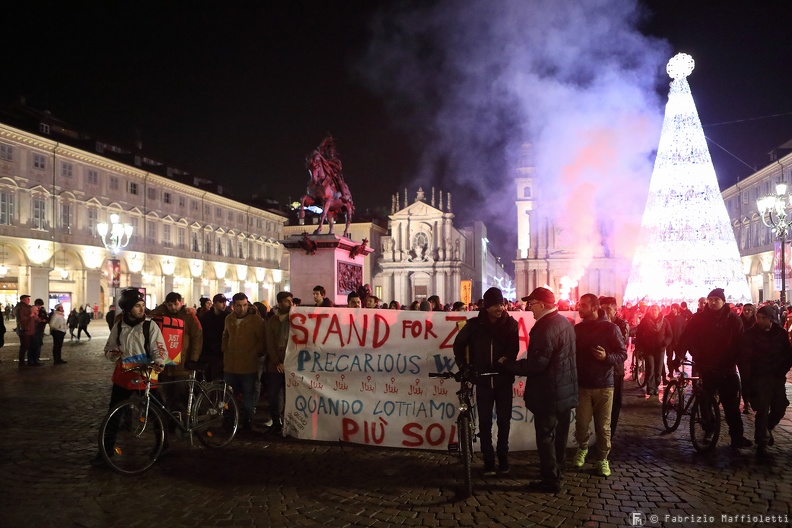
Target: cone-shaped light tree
x=686, y=246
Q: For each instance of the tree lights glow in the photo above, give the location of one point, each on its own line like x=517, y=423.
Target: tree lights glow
x=686, y=246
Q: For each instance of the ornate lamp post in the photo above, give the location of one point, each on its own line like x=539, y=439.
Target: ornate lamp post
x=120, y=235
x=772, y=209
x=117, y=232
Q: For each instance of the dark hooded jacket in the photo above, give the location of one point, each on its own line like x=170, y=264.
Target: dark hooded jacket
x=488, y=342
x=593, y=373
x=549, y=366
x=765, y=356
x=653, y=335
x=713, y=339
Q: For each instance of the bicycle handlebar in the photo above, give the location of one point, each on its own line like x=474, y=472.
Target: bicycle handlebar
x=462, y=375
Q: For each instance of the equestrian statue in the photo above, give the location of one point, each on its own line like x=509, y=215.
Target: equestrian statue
x=326, y=187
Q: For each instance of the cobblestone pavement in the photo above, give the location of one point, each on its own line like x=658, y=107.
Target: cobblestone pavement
x=50, y=415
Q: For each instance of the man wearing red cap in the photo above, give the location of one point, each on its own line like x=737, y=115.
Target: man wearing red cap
x=551, y=388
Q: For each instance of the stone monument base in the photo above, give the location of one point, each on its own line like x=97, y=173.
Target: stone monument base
x=324, y=260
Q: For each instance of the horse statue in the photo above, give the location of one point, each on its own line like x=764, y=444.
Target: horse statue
x=326, y=187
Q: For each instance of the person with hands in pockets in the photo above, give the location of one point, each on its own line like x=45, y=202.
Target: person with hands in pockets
x=133, y=340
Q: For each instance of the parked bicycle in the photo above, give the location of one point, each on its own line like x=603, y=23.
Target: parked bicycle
x=686, y=395
x=133, y=432
x=638, y=368
x=466, y=420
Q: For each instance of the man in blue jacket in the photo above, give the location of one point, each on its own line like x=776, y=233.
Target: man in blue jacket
x=599, y=348
x=551, y=388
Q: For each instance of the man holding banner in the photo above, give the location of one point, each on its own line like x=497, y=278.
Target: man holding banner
x=479, y=344
x=551, y=388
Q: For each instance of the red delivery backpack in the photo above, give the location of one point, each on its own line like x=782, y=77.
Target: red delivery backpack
x=173, y=335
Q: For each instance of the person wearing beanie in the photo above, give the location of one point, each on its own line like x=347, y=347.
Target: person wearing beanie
x=712, y=336
x=766, y=357
x=478, y=345
x=134, y=340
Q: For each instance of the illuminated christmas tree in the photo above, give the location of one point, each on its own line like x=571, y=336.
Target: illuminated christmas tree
x=687, y=246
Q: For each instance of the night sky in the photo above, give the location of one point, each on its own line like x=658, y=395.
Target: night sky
x=241, y=94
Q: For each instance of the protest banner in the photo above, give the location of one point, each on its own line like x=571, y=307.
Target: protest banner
x=361, y=376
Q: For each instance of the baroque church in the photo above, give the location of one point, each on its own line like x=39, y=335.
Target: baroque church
x=426, y=254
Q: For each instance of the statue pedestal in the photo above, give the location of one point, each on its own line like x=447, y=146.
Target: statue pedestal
x=324, y=260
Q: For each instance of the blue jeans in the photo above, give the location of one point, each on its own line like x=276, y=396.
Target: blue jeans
x=276, y=382
x=246, y=384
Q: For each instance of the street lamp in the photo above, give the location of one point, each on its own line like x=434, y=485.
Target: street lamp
x=114, y=243
x=117, y=232
x=772, y=209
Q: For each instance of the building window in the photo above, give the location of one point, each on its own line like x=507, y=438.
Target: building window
x=218, y=212
x=230, y=216
x=39, y=162
x=526, y=192
x=182, y=202
x=220, y=246
x=181, y=238
x=166, y=197
x=152, y=193
x=6, y=207
x=6, y=152
x=151, y=232
x=195, y=244
x=194, y=205
x=67, y=170
x=39, y=213
x=208, y=243
x=166, y=232
x=240, y=249
x=133, y=188
x=241, y=219
x=134, y=222
x=93, y=219
x=92, y=177
x=65, y=217
x=207, y=210
x=44, y=128
x=258, y=251
x=114, y=183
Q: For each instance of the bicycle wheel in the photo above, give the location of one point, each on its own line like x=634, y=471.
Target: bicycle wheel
x=705, y=423
x=466, y=451
x=215, y=416
x=633, y=369
x=640, y=368
x=131, y=437
x=673, y=403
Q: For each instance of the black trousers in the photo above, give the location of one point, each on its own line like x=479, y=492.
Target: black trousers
x=768, y=399
x=552, y=435
x=501, y=399
x=728, y=388
x=618, y=386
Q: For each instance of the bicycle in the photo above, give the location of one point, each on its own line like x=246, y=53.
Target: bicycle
x=638, y=368
x=705, y=422
x=133, y=432
x=466, y=420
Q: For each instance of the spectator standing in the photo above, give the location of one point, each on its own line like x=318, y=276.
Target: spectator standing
x=73, y=321
x=652, y=338
x=277, y=338
x=766, y=357
x=713, y=338
x=83, y=320
x=674, y=352
x=191, y=344
x=204, y=305
x=213, y=323
x=320, y=297
x=41, y=319
x=493, y=334
x=57, y=324
x=26, y=329
x=551, y=388
x=242, y=346
x=353, y=300
x=608, y=305
x=128, y=343
x=95, y=311
x=599, y=348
